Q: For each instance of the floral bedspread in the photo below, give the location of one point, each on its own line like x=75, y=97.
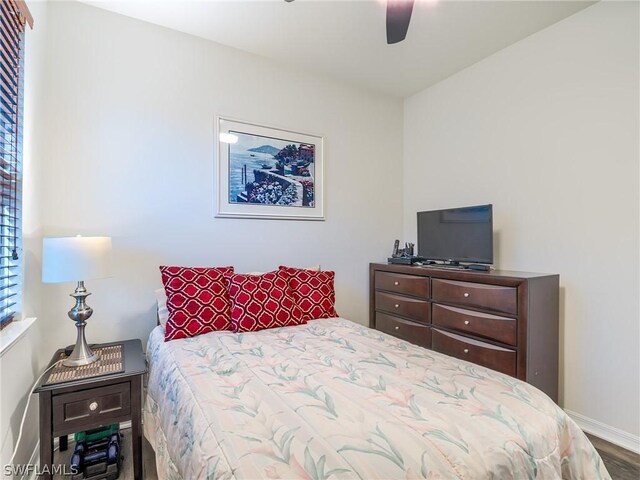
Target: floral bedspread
x=333, y=399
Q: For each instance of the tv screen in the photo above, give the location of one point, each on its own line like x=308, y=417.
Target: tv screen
x=457, y=234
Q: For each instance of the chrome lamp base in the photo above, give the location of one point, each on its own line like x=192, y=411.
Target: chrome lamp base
x=80, y=313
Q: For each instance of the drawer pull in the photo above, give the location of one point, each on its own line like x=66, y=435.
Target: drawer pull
x=466, y=294
x=466, y=322
x=397, y=328
x=396, y=283
x=397, y=305
x=93, y=406
x=466, y=350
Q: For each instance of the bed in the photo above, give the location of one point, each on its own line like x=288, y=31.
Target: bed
x=334, y=399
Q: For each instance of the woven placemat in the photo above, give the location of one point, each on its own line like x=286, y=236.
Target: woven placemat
x=111, y=361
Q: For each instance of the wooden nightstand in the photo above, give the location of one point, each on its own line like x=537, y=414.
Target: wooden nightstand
x=88, y=403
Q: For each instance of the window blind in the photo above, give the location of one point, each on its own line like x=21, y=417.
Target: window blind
x=14, y=15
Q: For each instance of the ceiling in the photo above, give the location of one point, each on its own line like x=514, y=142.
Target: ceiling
x=346, y=40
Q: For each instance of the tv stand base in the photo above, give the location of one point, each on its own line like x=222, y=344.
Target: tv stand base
x=478, y=267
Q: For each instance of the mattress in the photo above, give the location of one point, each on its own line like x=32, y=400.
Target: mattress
x=334, y=399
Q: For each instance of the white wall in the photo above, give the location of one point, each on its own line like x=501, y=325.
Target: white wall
x=547, y=131
x=24, y=361
x=130, y=109
x=19, y=368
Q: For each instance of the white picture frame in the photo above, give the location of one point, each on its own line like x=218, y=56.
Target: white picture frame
x=266, y=172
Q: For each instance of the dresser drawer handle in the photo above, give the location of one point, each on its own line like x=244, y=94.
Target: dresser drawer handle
x=397, y=328
x=396, y=283
x=93, y=406
x=466, y=350
x=466, y=322
x=466, y=294
x=397, y=305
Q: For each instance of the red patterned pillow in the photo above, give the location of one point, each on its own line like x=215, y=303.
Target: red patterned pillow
x=197, y=300
x=262, y=301
x=313, y=291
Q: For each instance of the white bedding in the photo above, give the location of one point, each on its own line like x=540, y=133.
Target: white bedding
x=333, y=399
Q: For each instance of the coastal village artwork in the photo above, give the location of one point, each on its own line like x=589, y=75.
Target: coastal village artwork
x=265, y=172
x=270, y=171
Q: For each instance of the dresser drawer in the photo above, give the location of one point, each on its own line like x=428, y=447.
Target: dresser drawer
x=404, y=329
x=404, y=306
x=405, y=284
x=493, y=297
x=501, y=329
x=73, y=411
x=490, y=356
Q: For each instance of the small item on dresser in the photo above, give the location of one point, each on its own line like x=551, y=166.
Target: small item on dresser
x=402, y=256
x=408, y=249
x=396, y=249
x=400, y=260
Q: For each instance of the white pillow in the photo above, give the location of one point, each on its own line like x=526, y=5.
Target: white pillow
x=314, y=268
x=163, y=313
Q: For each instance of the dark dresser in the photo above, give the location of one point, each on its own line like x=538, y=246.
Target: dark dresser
x=506, y=321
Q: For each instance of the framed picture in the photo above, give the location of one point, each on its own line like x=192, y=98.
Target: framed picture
x=265, y=172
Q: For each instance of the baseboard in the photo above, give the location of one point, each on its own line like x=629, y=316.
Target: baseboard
x=605, y=432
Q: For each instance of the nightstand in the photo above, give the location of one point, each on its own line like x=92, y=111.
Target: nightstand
x=88, y=403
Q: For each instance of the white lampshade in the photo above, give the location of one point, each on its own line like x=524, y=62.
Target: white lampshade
x=75, y=259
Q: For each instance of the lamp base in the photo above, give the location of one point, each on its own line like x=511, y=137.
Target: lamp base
x=80, y=313
x=80, y=356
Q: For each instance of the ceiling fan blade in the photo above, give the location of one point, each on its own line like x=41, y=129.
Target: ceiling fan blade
x=398, y=17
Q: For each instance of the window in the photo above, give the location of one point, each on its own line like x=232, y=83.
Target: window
x=14, y=15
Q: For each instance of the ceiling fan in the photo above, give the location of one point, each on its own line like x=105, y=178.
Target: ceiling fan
x=398, y=18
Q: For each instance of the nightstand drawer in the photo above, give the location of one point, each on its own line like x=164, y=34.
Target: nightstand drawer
x=74, y=411
x=501, y=329
x=490, y=356
x=404, y=306
x=493, y=297
x=404, y=329
x=405, y=284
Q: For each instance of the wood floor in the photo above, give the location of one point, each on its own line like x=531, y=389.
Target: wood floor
x=621, y=464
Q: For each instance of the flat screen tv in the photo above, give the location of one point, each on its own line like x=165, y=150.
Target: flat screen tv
x=457, y=234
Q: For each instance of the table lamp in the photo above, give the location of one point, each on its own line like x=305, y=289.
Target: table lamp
x=76, y=259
